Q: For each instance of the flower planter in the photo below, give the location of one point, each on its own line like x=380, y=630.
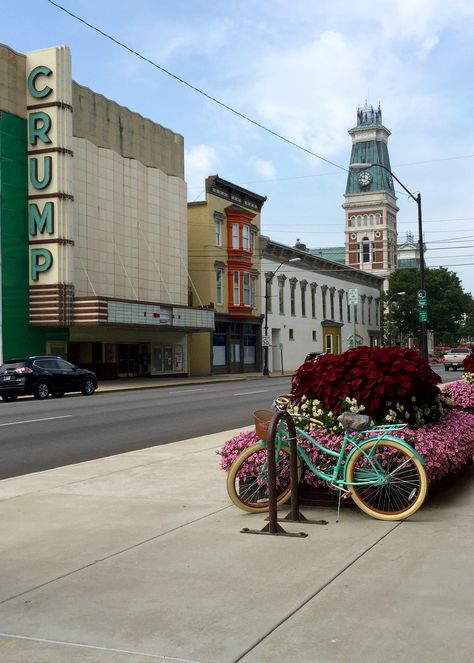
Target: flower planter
x=322, y=497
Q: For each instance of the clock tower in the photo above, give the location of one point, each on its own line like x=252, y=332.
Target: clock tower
x=370, y=204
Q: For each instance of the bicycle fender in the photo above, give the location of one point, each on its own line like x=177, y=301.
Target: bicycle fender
x=391, y=438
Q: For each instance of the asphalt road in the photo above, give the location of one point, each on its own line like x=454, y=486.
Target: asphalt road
x=447, y=376
x=39, y=435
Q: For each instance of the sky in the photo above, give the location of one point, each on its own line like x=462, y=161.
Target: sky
x=299, y=68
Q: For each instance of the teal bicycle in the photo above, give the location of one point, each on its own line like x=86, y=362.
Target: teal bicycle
x=382, y=473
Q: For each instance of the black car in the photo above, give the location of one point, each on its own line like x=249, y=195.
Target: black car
x=313, y=355
x=41, y=376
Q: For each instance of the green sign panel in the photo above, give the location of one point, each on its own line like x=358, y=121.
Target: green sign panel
x=423, y=315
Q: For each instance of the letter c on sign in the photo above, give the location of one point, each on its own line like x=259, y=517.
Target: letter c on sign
x=32, y=89
x=41, y=261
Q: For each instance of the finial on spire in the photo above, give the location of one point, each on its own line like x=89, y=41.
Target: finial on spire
x=368, y=115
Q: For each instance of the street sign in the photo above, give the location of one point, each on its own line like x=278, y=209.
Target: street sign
x=423, y=315
x=421, y=296
x=266, y=341
x=352, y=296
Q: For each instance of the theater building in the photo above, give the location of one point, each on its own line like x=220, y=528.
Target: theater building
x=94, y=236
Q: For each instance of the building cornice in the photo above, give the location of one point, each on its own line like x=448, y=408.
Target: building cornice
x=272, y=250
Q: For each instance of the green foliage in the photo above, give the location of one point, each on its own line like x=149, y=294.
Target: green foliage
x=448, y=305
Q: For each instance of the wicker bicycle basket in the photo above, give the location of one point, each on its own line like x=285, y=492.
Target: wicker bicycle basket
x=262, y=419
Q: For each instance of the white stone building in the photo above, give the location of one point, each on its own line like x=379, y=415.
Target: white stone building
x=306, y=303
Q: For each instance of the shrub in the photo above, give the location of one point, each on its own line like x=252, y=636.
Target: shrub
x=461, y=392
x=445, y=446
x=389, y=384
x=468, y=364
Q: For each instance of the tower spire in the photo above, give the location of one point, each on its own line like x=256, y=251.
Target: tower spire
x=370, y=203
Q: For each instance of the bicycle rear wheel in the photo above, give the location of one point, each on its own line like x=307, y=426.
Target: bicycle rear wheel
x=404, y=486
x=247, y=480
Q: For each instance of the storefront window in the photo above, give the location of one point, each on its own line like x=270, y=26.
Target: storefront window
x=167, y=358
x=250, y=344
x=219, y=355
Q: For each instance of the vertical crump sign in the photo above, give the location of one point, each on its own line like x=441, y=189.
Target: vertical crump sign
x=50, y=199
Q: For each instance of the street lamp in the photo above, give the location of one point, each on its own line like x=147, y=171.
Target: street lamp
x=387, y=303
x=357, y=168
x=268, y=280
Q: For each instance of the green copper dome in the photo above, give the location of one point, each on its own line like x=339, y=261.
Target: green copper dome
x=372, y=151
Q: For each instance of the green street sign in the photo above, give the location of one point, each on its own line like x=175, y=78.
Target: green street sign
x=423, y=315
x=421, y=296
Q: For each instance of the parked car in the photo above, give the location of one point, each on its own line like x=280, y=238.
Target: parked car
x=313, y=355
x=454, y=358
x=42, y=376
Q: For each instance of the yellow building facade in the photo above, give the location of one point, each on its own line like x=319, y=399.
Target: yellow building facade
x=224, y=275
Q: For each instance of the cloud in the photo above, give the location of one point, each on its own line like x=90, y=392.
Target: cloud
x=262, y=167
x=303, y=92
x=200, y=162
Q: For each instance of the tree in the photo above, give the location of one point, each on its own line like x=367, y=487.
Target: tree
x=448, y=305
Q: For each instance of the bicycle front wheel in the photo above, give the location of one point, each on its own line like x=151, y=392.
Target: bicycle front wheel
x=247, y=481
x=400, y=481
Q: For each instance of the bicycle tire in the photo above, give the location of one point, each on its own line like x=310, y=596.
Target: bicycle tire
x=405, y=489
x=246, y=482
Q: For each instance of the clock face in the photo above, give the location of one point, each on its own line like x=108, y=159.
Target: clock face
x=365, y=178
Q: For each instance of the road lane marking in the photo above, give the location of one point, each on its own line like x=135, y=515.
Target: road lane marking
x=188, y=391
x=249, y=393
x=31, y=421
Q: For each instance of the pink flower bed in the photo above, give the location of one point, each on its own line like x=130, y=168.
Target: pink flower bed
x=461, y=392
x=446, y=446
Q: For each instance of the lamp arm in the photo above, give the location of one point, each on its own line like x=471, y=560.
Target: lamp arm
x=415, y=198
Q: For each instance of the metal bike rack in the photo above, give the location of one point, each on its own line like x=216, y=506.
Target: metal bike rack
x=295, y=515
x=273, y=527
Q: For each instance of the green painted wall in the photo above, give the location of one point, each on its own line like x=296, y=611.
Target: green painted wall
x=19, y=339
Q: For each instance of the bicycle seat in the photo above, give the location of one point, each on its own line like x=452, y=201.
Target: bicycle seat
x=354, y=422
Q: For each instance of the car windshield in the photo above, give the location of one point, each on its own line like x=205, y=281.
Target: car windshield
x=459, y=351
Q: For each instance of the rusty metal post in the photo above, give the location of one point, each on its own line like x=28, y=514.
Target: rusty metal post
x=295, y=514
x=273, y=527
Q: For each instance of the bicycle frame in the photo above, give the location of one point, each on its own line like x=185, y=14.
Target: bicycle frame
x=358, y=440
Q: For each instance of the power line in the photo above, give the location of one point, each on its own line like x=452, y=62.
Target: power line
x=194, y=88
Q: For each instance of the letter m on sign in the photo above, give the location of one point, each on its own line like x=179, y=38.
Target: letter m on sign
x=41, y=221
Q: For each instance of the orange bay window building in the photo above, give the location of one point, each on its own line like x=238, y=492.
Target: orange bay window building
x=224, y=270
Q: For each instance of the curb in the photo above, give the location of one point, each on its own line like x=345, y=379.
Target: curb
x=183, y=383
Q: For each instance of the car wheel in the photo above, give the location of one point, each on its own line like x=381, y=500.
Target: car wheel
x=9, y=398
x=446, y=368
x=42, y=390
x=88, y=387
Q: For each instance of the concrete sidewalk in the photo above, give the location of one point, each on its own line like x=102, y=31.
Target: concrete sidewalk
x=131, y=384
x=139, y=557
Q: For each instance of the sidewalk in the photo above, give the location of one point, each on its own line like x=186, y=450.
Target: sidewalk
x=130, y=384
x=139, y=557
